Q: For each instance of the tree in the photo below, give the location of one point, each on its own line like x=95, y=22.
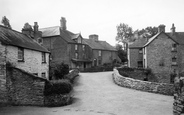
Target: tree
x=148, y=32
x=6, y=22
x=124, y=35
x=122, y=54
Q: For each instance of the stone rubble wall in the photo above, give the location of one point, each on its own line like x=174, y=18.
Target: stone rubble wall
x=22, y=88
x=161, y=88
x=178, y=105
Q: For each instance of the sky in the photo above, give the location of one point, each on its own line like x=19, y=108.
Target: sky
x=99, y=17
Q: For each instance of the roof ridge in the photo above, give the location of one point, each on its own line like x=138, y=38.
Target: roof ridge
x=49, y=27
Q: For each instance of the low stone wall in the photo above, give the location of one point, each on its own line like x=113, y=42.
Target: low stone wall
x=22, y=88
x=178, y=105
x=161, y=88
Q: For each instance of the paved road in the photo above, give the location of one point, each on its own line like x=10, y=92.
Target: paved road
x=96, y=94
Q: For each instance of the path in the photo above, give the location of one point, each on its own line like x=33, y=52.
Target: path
x=96, y=94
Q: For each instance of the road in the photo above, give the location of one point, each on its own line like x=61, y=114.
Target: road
x=96, y=94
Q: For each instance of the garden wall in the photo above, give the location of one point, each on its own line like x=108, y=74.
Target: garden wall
x=178, y=105
x=161, y=88
x=22, y=88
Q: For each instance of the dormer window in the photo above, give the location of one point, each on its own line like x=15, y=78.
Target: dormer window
x=40, y=40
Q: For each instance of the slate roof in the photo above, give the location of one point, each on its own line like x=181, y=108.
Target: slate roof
x=15, y=38
x=56, y=31
x=177, y=36
x=100, y=45
x=142, y=42
x=139, y=43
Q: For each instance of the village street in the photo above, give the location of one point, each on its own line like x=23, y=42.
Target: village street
x=96, y=94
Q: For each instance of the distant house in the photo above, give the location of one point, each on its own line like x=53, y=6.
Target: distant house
x=102, y=52
x=23, y=52
x=163, y=53
x=66, y=46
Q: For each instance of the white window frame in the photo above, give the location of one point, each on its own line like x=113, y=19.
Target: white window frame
x=99, y=53
x=20, y=54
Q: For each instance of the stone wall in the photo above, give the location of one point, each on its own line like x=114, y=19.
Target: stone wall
x=24, y=88
x=161, y=88
x=178, y=105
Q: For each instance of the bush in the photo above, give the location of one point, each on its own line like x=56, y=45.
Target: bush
x=61, y=70
x=58, y=87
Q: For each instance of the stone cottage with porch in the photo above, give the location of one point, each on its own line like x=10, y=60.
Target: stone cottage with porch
x=102, y=52
x=23, y=52
x=66, y=46
x=163, y=53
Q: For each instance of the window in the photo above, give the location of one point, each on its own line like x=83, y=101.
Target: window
x=140, y=51
x=36, y=74
x=76, y=55
x=83, y=47
x=174, y=60
x=100, y=53
x=174, y=46
x=40, y=40
x=20, y=54
x=76, y=47
x=43, y=75
x=43, y=57
x=84, y=56
x=99, y=62
x=140, y=64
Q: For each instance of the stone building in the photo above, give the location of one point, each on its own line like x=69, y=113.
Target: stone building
x=23, y=51
x=162, y=53
x=66, y=46
x=102, y=52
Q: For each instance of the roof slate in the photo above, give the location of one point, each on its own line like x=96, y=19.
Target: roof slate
x=56, y=31
x=15, y=38
x=138, y=43
x=101, y=45
x=177, y=36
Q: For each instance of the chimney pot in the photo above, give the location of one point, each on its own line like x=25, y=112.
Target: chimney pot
x=173, y=29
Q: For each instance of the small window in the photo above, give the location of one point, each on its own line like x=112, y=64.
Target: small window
x=83, y=47
x=140, y=51
x=76, y=47
x=100, y=53
x=20, y=54
x=36, y=74
x=174, y=46
x=140, y=64
x=43, y=57
x=40, y=40
x=84, y=56
x=43, y=75
x=174, y=60
x=99, y=62
x=76, y=55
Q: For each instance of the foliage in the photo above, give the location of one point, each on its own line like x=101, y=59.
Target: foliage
x=124, y=34
x=60, y=71
x=6, y=22
x=122, y=54
x=58, y=87
x=147, y=32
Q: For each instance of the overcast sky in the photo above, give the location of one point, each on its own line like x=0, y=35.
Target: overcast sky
x=94, y=16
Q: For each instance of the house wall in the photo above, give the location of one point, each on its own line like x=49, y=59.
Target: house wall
x=58, y=48
x=32, y=60
x=133, y=57
x=159, y=57
x=180, y=56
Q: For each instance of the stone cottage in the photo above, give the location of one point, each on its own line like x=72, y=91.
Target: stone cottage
x=163, y=53
x=66, y=46
x=102, y=52
x=23, y=52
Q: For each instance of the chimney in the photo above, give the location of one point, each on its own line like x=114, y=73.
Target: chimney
x=27, y=30
x=63, y=23
x=173, y=29
x=37, y=33
x=161, y=28
x=93, y=37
